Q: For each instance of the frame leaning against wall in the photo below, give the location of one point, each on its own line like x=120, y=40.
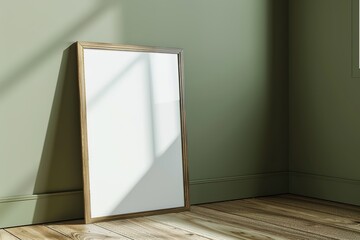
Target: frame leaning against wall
x=157, y=172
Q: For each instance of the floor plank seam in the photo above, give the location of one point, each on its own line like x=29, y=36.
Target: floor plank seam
x=97, y=224
x=11, y=234
x=183, y=229
x=348, y=207
x=227, y=224
x=70, y=237
x=322, y=202
x=274, y=224
x=322, y=212
x=272, y=217
x=179, y=228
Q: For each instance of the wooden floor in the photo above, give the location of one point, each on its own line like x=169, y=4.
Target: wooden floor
x=276, y=217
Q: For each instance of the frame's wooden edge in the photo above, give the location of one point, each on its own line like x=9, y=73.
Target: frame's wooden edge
x=83, y=127
x=126, y=47
x=183, y=130
x=138, y=214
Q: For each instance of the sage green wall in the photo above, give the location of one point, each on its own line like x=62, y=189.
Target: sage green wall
x=236, y=74
x=324, y=102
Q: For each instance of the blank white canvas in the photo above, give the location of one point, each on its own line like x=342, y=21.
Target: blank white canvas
x=134, y=131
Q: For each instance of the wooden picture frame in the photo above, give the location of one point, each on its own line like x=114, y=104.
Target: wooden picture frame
x=134, y=149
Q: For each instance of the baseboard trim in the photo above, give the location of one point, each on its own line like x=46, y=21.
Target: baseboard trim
x=40, y=208
x=237, y=187
x=325, y=187
x=51, y=207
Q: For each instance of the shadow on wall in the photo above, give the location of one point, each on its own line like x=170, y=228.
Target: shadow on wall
x=275, y=132
x=60, y=166
x=274, y=145
x=14, y=78
x=60, y=161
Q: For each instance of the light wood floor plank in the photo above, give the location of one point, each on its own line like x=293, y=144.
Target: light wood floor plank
x=282, y=217
x=207, y=228
x=268, y=214
x=299, y=211
x=36, y=232
x=321, y=202
x=254, y=226
x=85, y=231
x=6, y=236
x=218, y=225
x=344, y=210
x=168, y=232
x=144, y=228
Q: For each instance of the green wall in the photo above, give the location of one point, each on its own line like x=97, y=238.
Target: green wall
x=324, y=101
x=236, y=83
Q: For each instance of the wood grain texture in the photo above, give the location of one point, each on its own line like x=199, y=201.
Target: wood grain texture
x=315, y=215
x=254, y=227
x=345, y=210
x=288, y=219
x=210, y=228
x=85, y=231
x=144, y=228
x=6, y=236
x=184, y=144
x=126, y=47
x=36, y=232
x=266, y=218
x=84, y=133
x=218, y=225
